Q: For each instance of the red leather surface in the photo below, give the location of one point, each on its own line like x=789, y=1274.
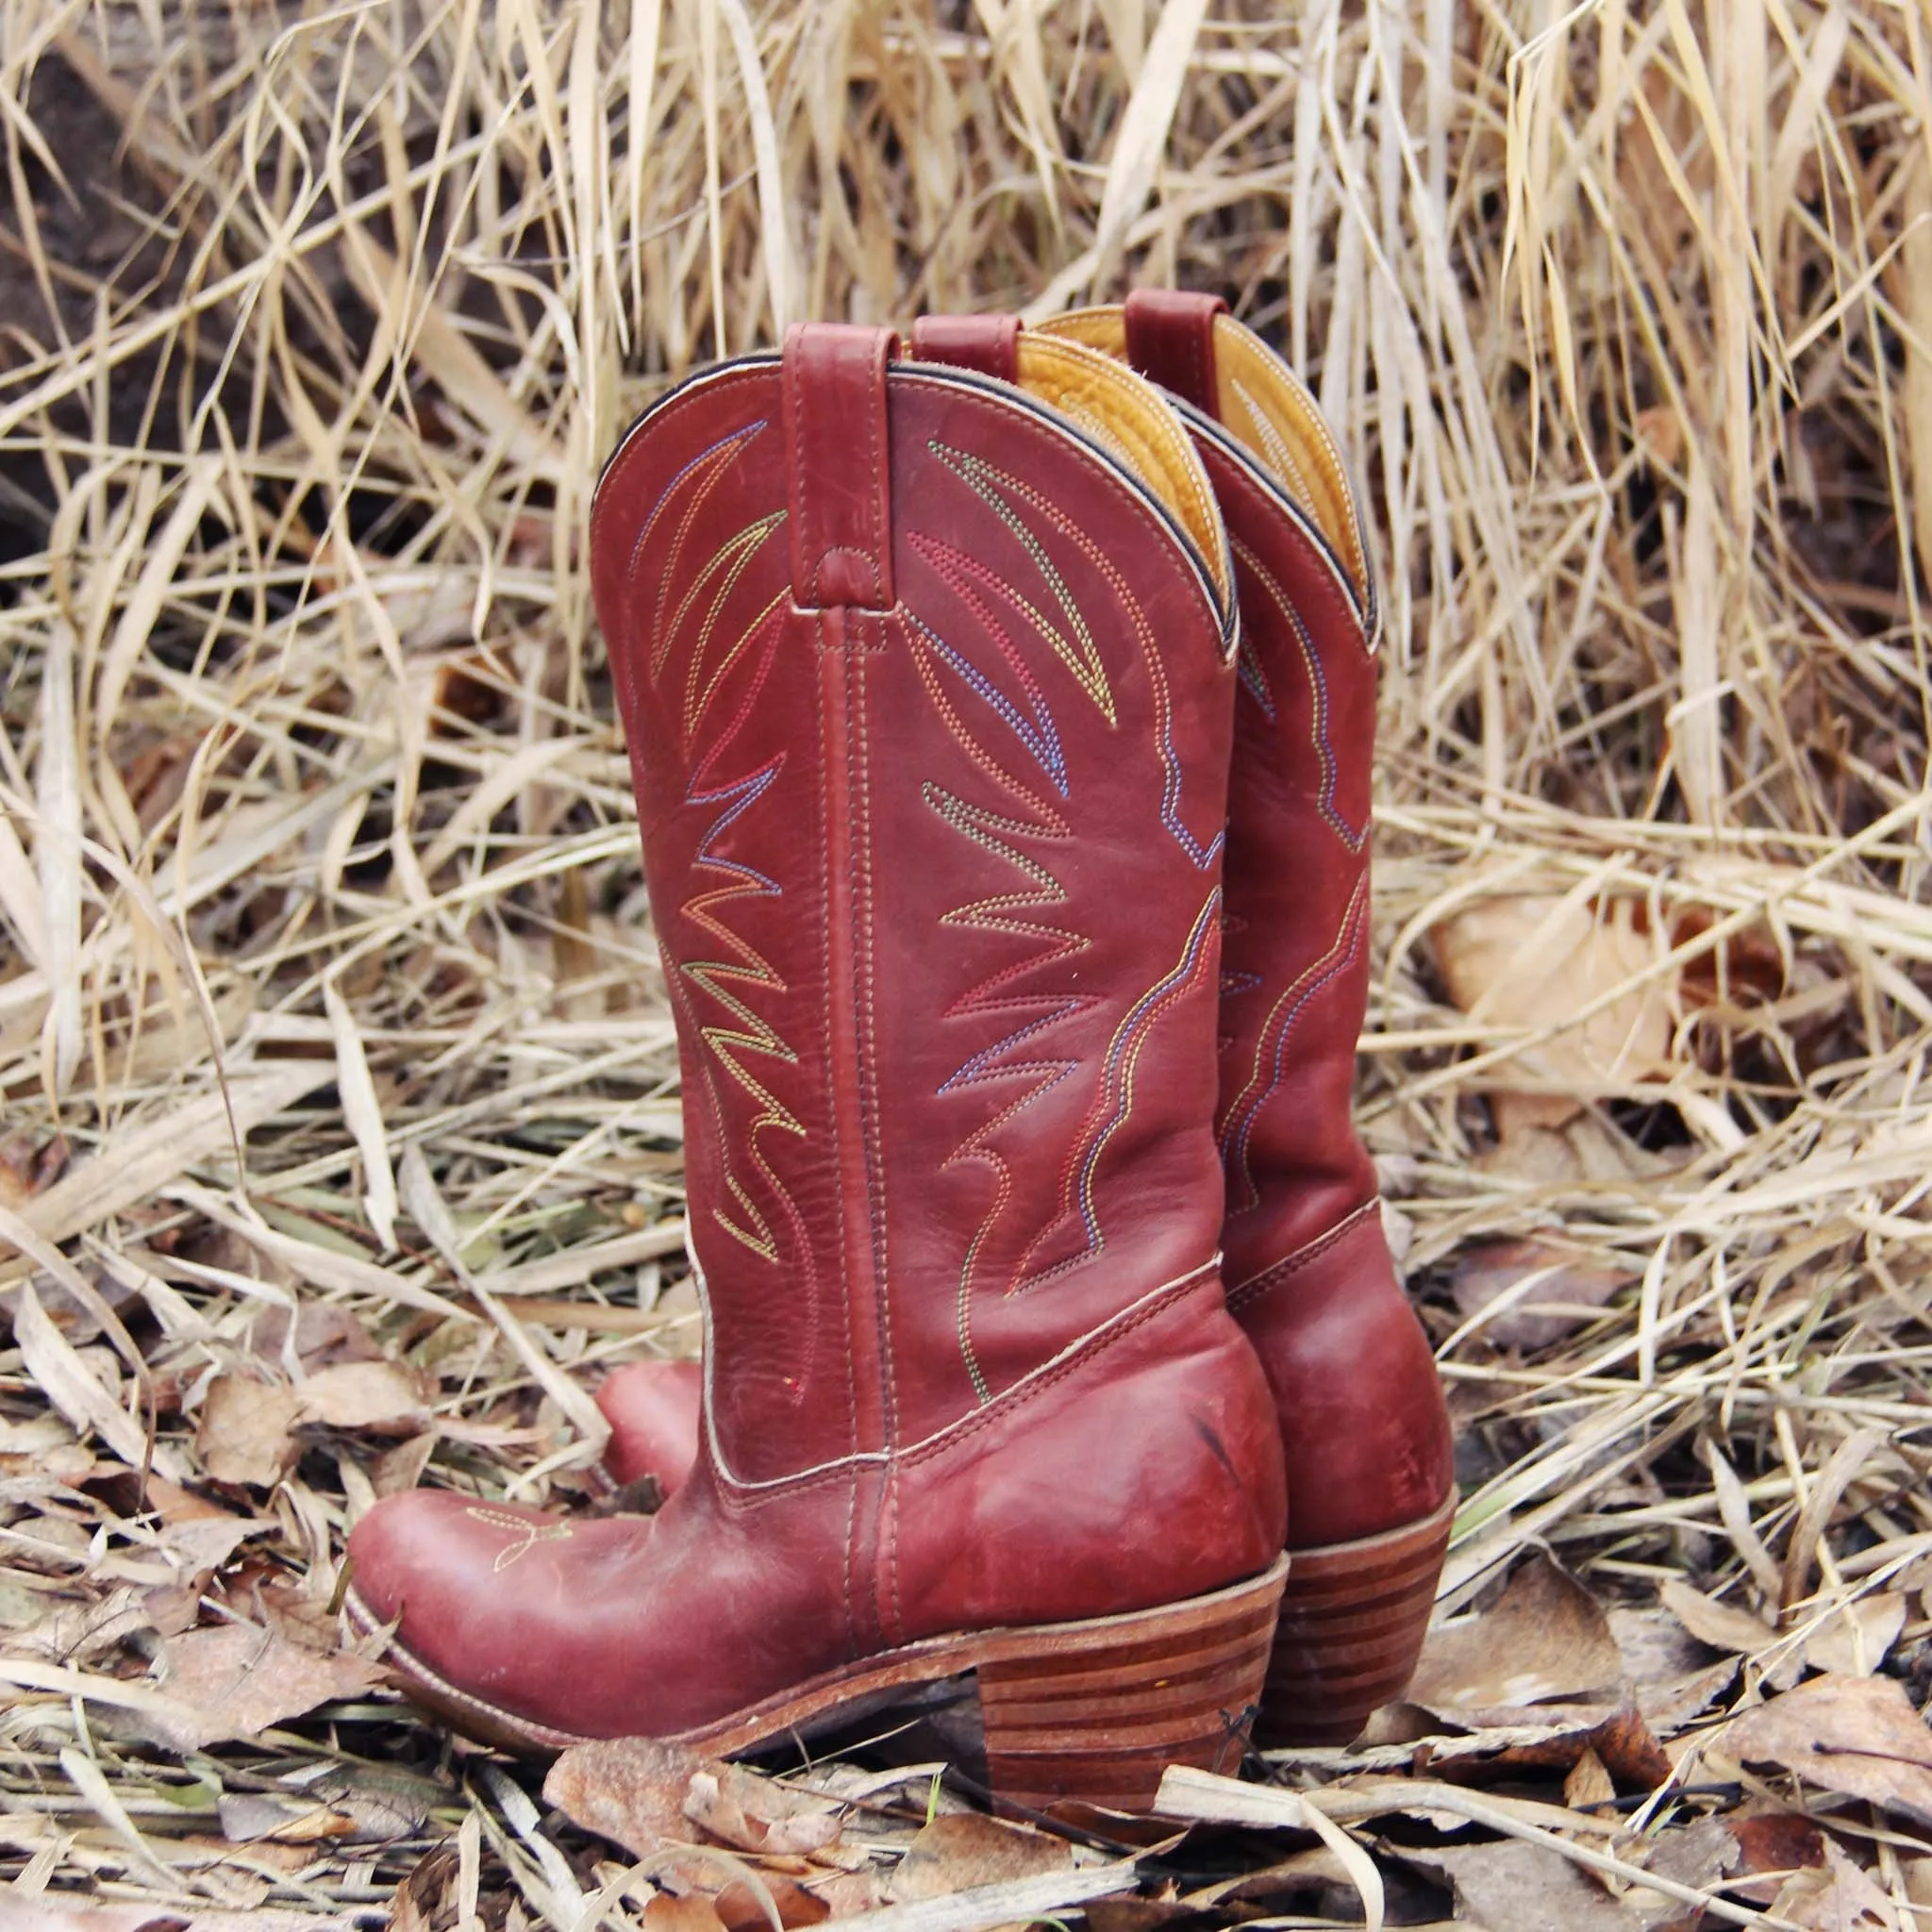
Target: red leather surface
x=988, y=344
x=1363, y=1423
x=938, y=894
x=629, y=1625
x=1171, y=342
x=653, y=1408
x=839, y=485
x=1295, y=951
x=1361, y=1408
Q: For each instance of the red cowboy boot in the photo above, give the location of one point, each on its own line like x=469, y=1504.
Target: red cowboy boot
x=1309, y=1278
x=929, y=696
x=1364, y=1421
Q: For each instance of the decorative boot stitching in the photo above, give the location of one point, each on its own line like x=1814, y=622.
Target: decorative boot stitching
x=1240, y=483
x=1248, y=667
x=865, y=942
x=1269, y=1067
x=967, y=578
x=727, y=567
x=1045, y=1008
x=993, y=832
x=742, y=1495
x=753, y=1034
x=1199, y=963
x=1274, y=451
x=1078, y=653
x=1076, y=1355
x=1321, y=741
x=1001, y=492
x=708, y=467
x=410, y=1664
x=530, y=1531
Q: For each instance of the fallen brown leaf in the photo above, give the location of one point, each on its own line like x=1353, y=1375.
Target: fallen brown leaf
x=325, y=1335
x=756, y=1814
x=1621, y=1743
x=26, y=1167
x=714, y=1877
x=76, y=1633
x=245, y=1432
x=1564, y=1288
x=1545, y=1637
x=1917, y=1876
x=1722, y=1626
x=963, y=1849
x=1588, y=1783
x=1587, y=1148
x=644, y=1795
x=1840, y=1897
x=381, y=1396
x=1667, y=1669
x=628, y=1789
x=1770, y=1846
x=1136, y=1915
x=1854, y=1641
x=1536, y=961
x=199, y=1543
x=1855, y=1735
x=425, y=1893
x=248, y=1817
x=237, y=1681
x=402, y=1467
x=1700, y=1854
x=1513, y=1887
x=692, y=1913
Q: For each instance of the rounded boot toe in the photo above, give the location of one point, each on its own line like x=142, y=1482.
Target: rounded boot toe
x=655, y=1412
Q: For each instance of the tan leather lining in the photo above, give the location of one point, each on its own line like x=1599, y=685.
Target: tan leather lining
x=1127, y=418
x=1264, y=405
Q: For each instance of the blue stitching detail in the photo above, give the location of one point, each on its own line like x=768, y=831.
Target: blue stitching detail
x=1254, y=679
x=1350, y=836
x=1235, y=1158
x=1149, y=1004
x=1039, y=738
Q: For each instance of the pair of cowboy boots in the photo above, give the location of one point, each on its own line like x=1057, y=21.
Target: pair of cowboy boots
x=1001, y=734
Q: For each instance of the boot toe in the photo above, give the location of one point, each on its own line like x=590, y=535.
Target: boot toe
x=474, y=1591
x=416, y=1552
x=653, y=1412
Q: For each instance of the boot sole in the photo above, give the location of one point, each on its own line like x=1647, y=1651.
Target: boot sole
x=1352, y=1619
x=1089, y=1712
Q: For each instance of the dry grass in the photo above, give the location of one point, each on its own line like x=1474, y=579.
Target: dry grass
x=322, y=944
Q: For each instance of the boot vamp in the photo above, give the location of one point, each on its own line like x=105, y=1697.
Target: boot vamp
x=612, y=1626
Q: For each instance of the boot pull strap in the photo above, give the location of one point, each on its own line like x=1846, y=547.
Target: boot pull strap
x=1171, y=342
x=837, y=453
x=987, y=344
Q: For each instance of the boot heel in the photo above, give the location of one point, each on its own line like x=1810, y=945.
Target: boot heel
x=1353, y=1620
x=1093, y=1712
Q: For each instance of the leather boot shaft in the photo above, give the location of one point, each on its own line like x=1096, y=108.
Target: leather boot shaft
x=930, y=701
x=1307, y=1270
